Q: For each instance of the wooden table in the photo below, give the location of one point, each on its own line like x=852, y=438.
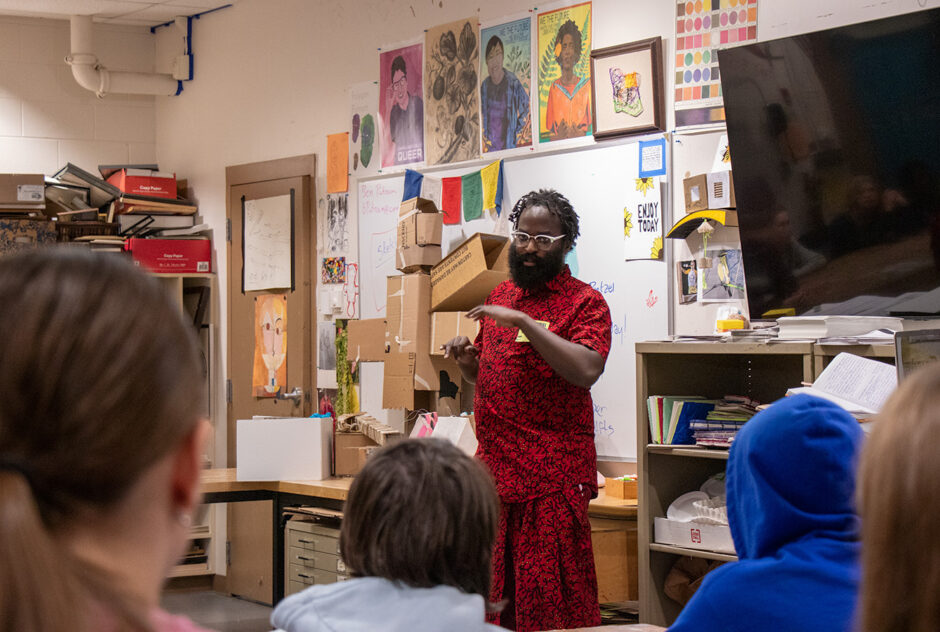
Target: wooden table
x=221, y=486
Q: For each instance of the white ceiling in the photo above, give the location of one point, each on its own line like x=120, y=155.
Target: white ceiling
x=134, y=12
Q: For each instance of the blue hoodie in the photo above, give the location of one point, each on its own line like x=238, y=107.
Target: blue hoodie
x=790, y=486
x=373, y=603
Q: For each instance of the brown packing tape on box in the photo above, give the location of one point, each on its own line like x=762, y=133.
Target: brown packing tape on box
x=467, y=275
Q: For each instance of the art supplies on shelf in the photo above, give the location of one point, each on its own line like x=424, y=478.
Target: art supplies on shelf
x=860, y=385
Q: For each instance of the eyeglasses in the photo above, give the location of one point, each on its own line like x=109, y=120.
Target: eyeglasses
x=401, y=84
x=542, y=242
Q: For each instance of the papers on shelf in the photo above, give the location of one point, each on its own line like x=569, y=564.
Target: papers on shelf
x=876, y=337
x=860, y=385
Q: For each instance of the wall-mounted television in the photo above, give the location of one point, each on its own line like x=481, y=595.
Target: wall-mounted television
x=835, y=149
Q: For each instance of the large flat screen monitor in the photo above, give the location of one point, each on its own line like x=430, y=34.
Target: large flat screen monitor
x=835, y=149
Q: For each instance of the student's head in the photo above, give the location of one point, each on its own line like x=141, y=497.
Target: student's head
x=494, y=58
x=568, y=45
x=101, y=394
x=535, y=261
x=399, y=77
x=423, y=513
x=791, y=473
x=899, y=502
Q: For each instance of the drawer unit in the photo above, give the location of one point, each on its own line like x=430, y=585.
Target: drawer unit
x=315, y=559
x=312, y=555
x=324, y=540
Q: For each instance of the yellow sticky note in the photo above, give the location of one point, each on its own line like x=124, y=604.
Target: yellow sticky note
x=521, y=337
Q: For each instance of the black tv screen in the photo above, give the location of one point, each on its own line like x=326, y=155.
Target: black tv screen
x=835, y=151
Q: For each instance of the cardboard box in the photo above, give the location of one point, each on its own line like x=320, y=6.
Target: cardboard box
x=145, y=182
x=366, y=340
x=398, y=385
x=289, y=448
x=22, y=191
x=418, y=242
x=468, y=274
x=694, y=535
x=448, y=325
x=696, y=193
x=408, y=319
x=448, y=400
x=171, y=255
x=721, y=190
x=347, y=447
x=458, y=431
x=618, y=488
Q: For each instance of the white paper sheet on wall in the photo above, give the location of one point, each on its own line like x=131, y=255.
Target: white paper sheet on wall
x=267, y=250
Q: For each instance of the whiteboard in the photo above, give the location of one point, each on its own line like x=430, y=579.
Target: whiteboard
x=597, y=181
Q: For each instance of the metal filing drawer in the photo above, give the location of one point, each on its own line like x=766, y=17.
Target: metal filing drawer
x=308, y=576
x=315, y=559
x=314, y=541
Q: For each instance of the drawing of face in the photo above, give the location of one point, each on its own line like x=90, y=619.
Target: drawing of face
x=368, y=138
x=494, y=64
x=400, y=89
x=569, y=55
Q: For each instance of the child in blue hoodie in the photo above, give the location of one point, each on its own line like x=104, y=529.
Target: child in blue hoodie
x=790, y=485
x=417, y=535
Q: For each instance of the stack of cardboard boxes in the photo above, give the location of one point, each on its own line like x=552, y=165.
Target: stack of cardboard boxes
x=426, y=307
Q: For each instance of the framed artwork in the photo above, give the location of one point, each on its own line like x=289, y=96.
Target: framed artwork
x=628, y=89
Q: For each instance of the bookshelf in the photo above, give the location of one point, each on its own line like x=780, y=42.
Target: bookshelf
x=759, y=371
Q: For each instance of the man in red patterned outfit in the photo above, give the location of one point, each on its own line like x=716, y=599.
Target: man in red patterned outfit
x=544, y=339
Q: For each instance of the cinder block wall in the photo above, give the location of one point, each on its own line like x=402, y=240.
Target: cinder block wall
x=46, y=119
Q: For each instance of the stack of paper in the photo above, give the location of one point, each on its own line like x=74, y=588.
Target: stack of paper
x=859, y=385
x=720, y=426
x=814, y=327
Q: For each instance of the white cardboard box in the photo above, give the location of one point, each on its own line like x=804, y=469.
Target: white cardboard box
x=458, y=431
x=277, y=449
x=693, y=535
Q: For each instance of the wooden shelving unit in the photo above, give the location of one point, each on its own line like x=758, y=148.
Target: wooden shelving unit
x=760, y=371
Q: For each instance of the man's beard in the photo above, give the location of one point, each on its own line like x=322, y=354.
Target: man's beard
x=535, y=277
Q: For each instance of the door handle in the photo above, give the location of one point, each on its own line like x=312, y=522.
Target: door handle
x=295, y=395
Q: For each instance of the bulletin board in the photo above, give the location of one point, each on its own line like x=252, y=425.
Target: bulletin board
x=597, y=181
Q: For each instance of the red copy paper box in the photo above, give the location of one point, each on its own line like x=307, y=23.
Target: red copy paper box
x=171, y=255
x=142, y=182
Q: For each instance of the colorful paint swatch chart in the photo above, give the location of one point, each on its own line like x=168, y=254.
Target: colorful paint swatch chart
x=702, y=28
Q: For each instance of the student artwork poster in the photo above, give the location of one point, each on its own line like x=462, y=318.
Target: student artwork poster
x=723, y=280
x=401, y=106
x=564, y=67
x=452, y=121
x=505, y=89
x=269, y=374
x=363, y=129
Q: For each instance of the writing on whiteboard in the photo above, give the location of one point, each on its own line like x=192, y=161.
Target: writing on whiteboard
x=380, y=199
x=618, y=329
x=651, y=299
x=601, y=427
x=604, y=287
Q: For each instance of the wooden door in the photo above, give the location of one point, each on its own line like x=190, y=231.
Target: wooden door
x=249, y=565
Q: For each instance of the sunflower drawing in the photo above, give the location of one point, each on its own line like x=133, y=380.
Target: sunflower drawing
x=656, y=252
x=627, y=222
x=643, y=185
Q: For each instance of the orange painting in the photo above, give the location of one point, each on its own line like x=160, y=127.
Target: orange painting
x=270, y=366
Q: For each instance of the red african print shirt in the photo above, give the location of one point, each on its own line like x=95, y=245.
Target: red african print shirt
x=536, y=429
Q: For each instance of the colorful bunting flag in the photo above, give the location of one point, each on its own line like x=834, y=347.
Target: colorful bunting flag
x=450, y=199
x=472, y=190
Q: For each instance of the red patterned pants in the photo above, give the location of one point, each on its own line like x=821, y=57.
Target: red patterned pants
x=543, y=565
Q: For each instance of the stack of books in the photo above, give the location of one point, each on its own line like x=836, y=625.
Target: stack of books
x=815, y=327
x=719, y=426
x=670, y=418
